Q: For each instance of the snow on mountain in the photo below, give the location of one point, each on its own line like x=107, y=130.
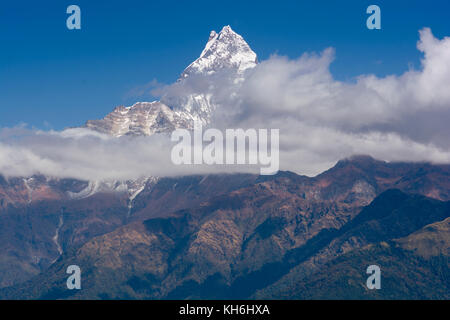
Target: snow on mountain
x=132, y=187
x=225, y=52
x=226, y=49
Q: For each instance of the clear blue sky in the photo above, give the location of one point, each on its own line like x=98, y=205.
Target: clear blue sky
x=51, y=77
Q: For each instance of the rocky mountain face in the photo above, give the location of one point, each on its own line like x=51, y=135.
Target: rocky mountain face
x=387, y=224
x=414, y=265
x=40, y=223
x=15, y=192
x=247, y=236
x=142, y=118
x=225, y=50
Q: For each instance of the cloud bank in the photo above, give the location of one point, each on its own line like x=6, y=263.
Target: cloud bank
x=321, y=120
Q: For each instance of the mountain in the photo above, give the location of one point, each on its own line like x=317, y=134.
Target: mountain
x=225, y=51
x=255, y=236
x=225, y=235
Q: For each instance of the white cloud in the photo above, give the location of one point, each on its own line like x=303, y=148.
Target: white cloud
x=321, y=120
x=88, y=155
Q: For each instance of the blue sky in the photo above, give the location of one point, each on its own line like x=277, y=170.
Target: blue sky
x=52, y=77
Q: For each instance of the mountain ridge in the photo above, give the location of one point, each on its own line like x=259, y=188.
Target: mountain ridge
x=166, y=274
x=248, y=222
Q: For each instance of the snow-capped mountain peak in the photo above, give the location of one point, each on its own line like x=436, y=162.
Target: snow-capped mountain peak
x=226, y=49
